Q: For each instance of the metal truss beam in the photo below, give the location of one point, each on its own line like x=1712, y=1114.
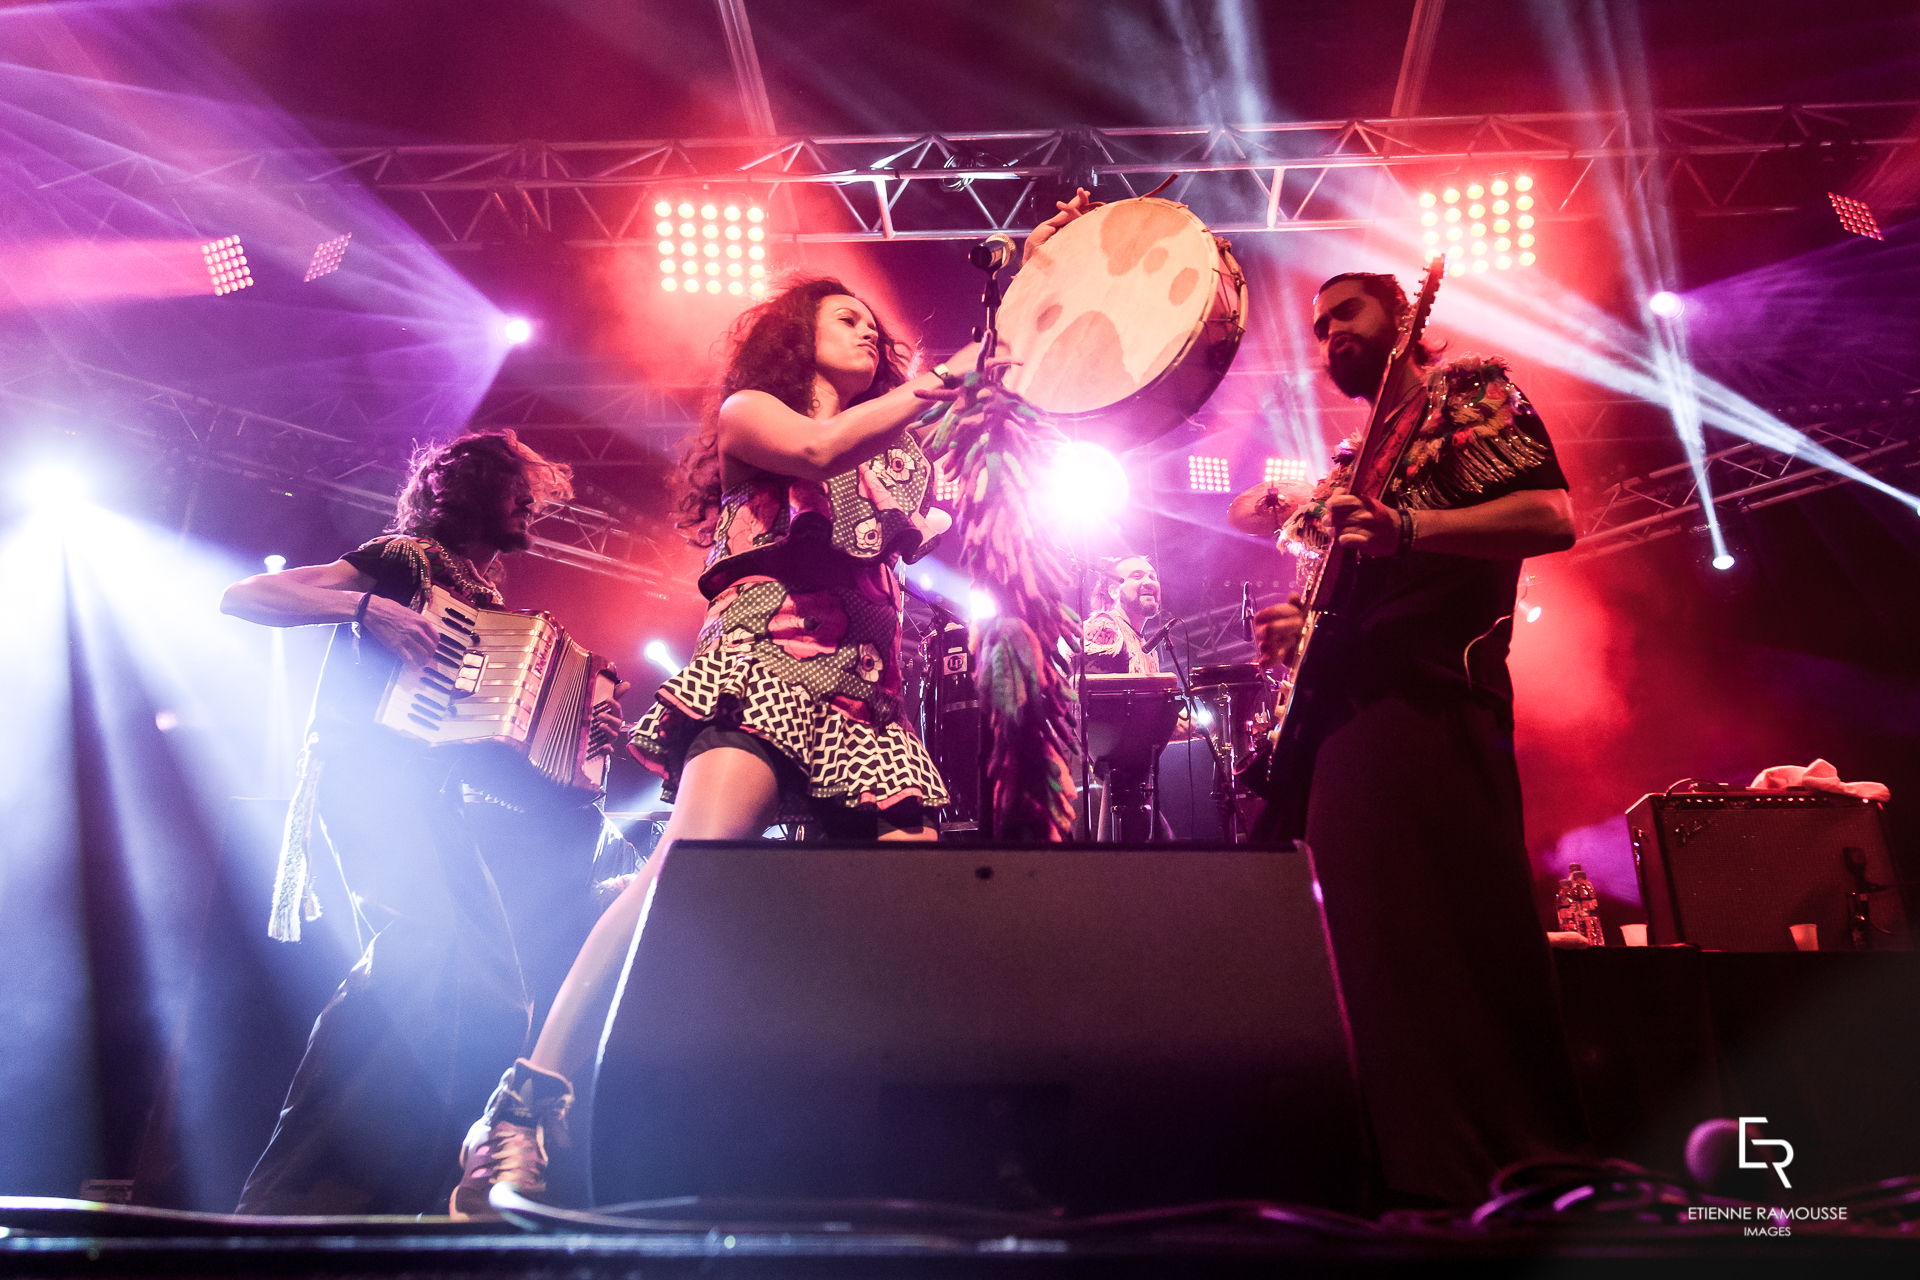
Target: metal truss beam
x=209, y=436
x=1747, y=477
x=1298, y=176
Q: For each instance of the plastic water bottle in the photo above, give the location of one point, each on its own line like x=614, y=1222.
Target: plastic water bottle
x=1567, y=920
x=1586, y=906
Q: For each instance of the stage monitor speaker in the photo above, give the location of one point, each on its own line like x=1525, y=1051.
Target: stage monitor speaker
x=1092, y=1028
x=1735, y=870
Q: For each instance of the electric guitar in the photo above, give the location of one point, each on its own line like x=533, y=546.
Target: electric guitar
x=1326, y=597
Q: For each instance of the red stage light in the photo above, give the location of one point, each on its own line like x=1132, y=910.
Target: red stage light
x=1477, y=233
x=1855, y=216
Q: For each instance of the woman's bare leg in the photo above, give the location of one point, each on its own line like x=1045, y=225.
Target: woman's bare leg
x=725, y=794
x=925, y=831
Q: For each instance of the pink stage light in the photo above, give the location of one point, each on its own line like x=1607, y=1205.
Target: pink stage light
x=38, y=274
x=517, y=330
x=227, y=265
x=1667, y=305
x=1285, y=472
x=1085, y=485
x=1488, y=225
x=1208, y=475
x=690, y=249
x=326, y=258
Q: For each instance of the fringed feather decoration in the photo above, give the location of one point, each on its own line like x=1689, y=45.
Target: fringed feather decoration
x=996, y=444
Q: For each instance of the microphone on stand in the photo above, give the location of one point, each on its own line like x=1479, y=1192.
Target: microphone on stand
x=1159, y=635
x=1246, y=609
x=993, y=253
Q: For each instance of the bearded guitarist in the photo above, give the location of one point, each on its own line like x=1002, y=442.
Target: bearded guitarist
x=1403, y=781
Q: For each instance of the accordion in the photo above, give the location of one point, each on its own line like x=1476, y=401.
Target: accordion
x=514, y=694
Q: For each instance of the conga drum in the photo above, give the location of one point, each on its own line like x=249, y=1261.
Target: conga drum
x=1124, y=321
x=1239, y=696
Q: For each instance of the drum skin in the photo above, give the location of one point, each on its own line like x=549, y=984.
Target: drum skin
x=1125, y=321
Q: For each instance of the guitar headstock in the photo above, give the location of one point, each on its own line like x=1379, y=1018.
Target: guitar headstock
x=1422, y=306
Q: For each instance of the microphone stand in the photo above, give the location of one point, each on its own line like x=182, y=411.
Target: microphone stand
x=988, y=335
x=1084, y=763
x=1222, y=795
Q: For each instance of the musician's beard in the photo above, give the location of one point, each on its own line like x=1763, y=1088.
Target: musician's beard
x=1357, y=367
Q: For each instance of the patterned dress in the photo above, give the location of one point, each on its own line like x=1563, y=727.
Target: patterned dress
x=801, y=644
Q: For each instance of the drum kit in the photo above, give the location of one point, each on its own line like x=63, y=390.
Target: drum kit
x=1124, y=323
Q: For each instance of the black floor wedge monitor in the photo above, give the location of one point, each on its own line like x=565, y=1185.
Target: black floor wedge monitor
x=1081, y=1028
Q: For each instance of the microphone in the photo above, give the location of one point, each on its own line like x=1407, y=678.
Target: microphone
x=993, y=253
x=1246, y=609
x=1160, y=633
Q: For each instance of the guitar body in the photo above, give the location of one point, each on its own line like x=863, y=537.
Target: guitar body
x=1280, y=775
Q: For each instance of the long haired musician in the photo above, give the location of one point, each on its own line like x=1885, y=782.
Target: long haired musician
x=411, y=1038
x=805, y=486
x=1408, y=794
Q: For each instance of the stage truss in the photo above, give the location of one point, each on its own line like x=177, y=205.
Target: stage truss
x=1275, y=177
x=1278, y=177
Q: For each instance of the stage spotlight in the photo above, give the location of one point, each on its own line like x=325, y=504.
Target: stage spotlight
x=1085, y=484
x=1208, y=475
x=1855, y=216
x=274, y=563
x=656, y=652
x=327, y=257
x=1285, y=472
x=1723, y=561
x=731, y=231
x=52, y=487
x=227, y=265
x=1667, y=305
x=981, y=605
x=516, y=330
x=1471, y=229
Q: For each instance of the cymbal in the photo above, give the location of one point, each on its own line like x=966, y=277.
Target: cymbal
x=1262, y=509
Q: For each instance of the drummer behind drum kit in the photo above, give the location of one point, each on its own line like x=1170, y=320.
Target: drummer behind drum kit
x=1124, y=323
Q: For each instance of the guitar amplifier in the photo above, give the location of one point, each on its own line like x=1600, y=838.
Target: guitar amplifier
x=1735, y=870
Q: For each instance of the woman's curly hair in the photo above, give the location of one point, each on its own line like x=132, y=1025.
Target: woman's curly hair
x=456, y=490
x=771, y=350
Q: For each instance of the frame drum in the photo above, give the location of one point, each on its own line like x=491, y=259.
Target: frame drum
x=1124, y=321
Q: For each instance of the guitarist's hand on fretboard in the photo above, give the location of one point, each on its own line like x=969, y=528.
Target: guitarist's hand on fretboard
x=1365, y=526
x=1276, y=630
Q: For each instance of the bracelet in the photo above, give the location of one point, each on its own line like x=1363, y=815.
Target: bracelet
x=948, y=378
x=1406, y=532
x=360, y=610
